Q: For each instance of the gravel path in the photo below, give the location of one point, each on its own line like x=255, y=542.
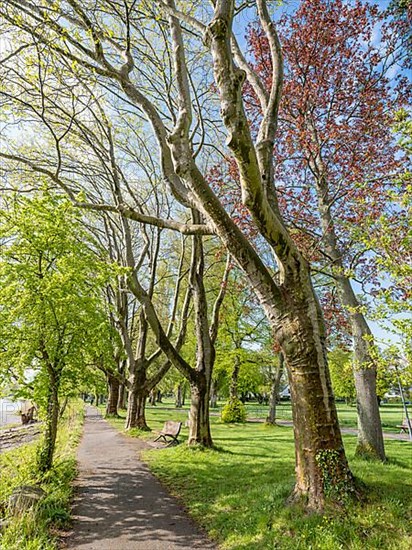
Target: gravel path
x=120, y=505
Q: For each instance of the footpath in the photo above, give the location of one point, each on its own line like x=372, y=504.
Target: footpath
x=119, y=504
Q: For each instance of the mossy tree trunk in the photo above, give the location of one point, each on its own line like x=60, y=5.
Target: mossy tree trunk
x=45, y=460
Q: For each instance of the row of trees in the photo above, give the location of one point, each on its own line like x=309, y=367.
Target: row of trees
x=283, y=189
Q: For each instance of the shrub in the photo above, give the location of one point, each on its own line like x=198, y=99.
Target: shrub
x=233, y=411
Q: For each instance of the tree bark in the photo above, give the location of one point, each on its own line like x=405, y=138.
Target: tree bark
x=274, y=391
x=113, y=398
x=179, y=401
x=213, y=395
x=136, y=410
x=234, y=380
x=140, y=419
x=370, y=436
x=321, y=467
x=121, y=402
x=138, y=393
x=52, y=418
x=199, y=423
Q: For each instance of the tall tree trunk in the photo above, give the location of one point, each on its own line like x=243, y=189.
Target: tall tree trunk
x=213, y=394
x=132, y=406
x=63, y=407
x=321, y=467
x=234, y=380
x=113, y=384
x=46, y=454
x=274, y=391
x=140, y=418
x=370, y=435
x=136, y=408
x=178, y=401
x=121, y=402
x=199, y=423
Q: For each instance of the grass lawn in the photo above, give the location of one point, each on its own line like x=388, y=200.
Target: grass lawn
x=238, y=492
x=391, y=413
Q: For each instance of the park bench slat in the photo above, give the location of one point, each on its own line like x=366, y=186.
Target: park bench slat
x=169, y=433
x=404, y=426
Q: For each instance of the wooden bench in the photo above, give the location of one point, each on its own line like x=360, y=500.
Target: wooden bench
x=170, y=432
x=404, y=426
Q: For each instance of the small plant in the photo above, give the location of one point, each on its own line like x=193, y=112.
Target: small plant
x=233, y=411
x=337, y=484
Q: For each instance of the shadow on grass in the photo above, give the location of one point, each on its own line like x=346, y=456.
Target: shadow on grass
x=238, y=492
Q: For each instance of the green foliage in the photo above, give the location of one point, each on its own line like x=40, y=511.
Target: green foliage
x=36, y=529
x=234, y=411
x=340, y=366
x=390, y=237
x=52, y=314
x=341, y=371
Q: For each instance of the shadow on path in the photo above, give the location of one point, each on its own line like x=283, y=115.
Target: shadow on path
x=120, y=505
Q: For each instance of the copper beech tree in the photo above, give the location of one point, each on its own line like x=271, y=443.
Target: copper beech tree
x=120, y=48
x=335, y=156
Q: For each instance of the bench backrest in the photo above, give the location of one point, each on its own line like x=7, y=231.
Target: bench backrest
x=171, y=427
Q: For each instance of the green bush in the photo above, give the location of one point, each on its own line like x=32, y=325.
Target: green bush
x=233, y=411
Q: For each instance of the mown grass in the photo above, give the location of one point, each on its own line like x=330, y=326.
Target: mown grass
x=38, y=529
x=238, y=492
x=391, y=413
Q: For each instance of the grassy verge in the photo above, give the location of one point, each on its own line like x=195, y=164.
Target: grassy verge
x=38, y=528
x=238, y=492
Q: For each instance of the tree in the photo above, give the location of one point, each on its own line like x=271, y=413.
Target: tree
x=390, y=238
x=242, y=325
x=333, y=134
x=82, y=44
x=340, y=361
x=53, y=320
